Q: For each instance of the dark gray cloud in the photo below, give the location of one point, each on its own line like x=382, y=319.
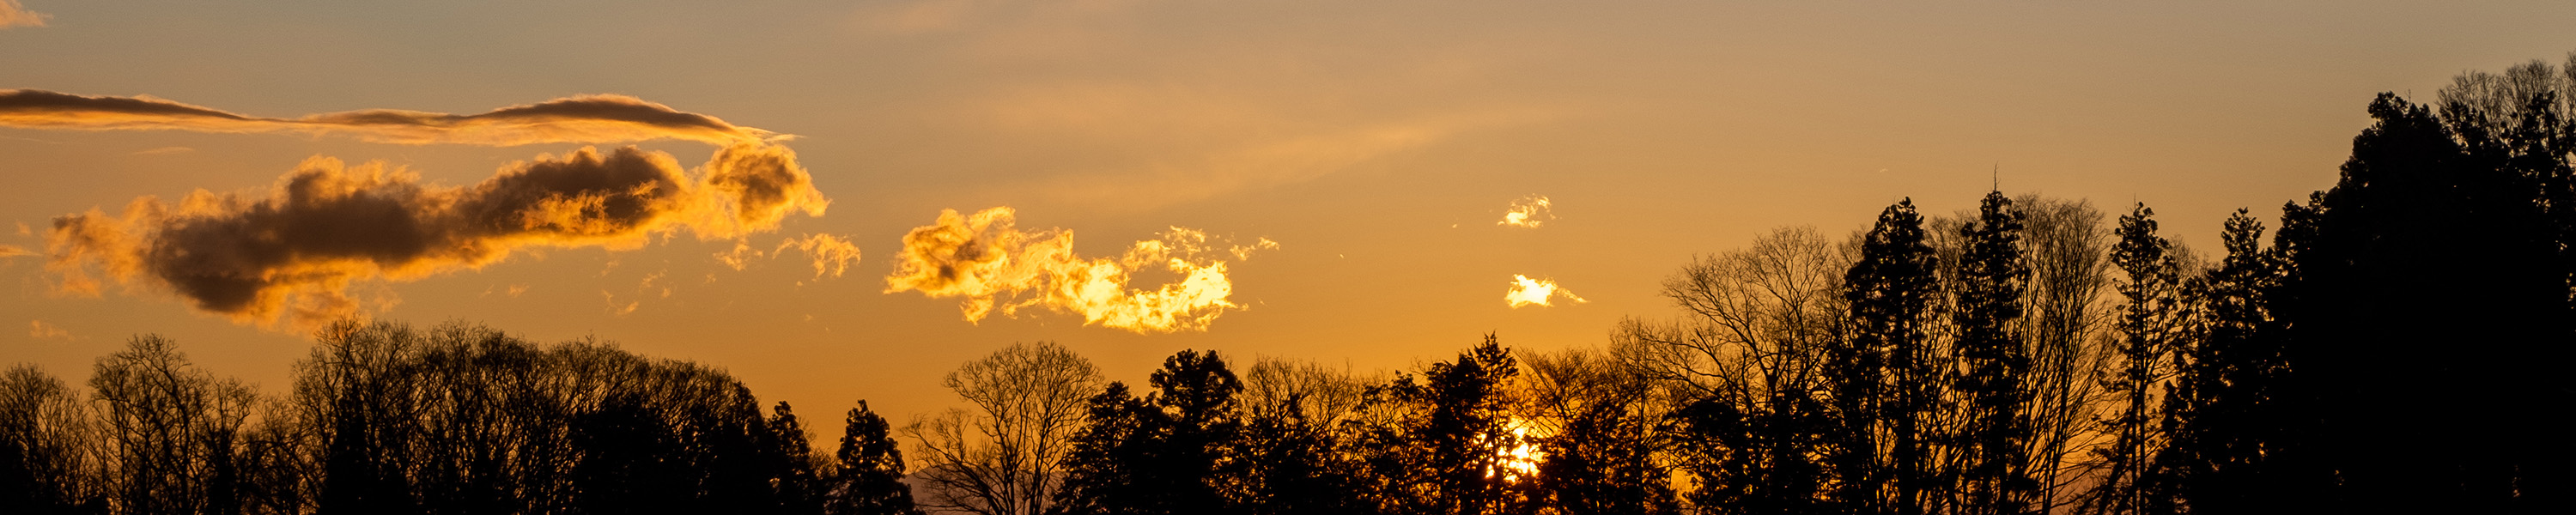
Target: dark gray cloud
x=293, y=253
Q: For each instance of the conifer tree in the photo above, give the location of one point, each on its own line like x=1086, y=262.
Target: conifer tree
x=869, y=479
x=1891, y=291
x=1994, y=476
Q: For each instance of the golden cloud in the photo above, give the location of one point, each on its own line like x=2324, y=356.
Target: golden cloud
x=293, y=253
x=1528, y=212
x=14, y=15
x=578, y=119
x=832, y=255
x=990, y=263
x=1526, y=291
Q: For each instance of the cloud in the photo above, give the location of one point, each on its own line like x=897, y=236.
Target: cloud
x=832, y=255
x=293, y=253
x=578, y=119
x=14, y=15
x=1528, y=212
x=164, y=150
x=984, y=259
x=10, y=251
x=40, y=330
x=1526, y=291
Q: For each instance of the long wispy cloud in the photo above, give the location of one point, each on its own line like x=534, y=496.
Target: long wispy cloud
x=994, y=265
x=293, y=253
x=578, y=119
x=14, y=15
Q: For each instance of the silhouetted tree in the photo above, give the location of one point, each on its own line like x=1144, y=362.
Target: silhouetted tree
x=869, y=478
x=1993, y=276
x=1599, y=455
x=174, y=430
x=797, y=485
x=1761, y=332
x=2150, y=314
x=1294, y=443
x=1893, y=290
x=1447, y=455
x=48, y=462
x=1004, y=456
x=2065, y=251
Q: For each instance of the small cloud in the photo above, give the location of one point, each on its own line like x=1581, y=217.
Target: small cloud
x=164, y=151
x=1244, y=252
x=10, y=251
x=40, y=330
x=740, y=257
x=24, y=231
x=832, y=255
x=1527, y=291
x=1530, y=212
x=517, y=289
x=13, y=15
x=614, y=309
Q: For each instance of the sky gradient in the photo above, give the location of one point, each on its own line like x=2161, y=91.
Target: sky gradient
x=1381, y=147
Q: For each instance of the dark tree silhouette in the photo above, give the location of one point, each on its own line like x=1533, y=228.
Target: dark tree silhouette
x=1446, y=455
x=798, y=487
x=1600, y=456
x=2150, y=312
x=1893, y=290
x=2435, y=235
x=46, y=461
x=869, y=478
x=1994, y=478
x=1300, y=460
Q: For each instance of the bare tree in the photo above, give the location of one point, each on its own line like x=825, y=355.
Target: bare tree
x=174, y=430
x=999, y=455
x=1318, y=396
x=49, y=460
x=2067, y=251
x=1750, y=354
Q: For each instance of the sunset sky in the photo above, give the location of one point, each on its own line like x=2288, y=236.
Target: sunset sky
x=1342, y=174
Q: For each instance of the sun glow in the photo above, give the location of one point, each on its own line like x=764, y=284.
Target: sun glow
x=1516, y=457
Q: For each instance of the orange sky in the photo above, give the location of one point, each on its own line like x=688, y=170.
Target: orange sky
x=1377, y=144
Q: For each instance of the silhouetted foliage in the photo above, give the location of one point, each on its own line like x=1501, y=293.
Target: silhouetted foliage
x=1891, y=376
x=2151, y=310
x=1447, y=453
x=1994, y=475
x=1005, y=456
x=2395, y=347
x=869, y=478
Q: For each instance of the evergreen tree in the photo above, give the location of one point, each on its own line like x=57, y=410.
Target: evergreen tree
x=1892, y=291
x=2149, y=312
x=1110, y=468
x=869, y=479
x=797, y=487
x=1994, y=476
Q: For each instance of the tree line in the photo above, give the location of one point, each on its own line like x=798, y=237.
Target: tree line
x=2394, y=345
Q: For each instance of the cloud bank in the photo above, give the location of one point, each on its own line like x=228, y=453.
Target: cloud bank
x=984, y=259
x=293, y=253
x=578, y=119
x=1526, y=292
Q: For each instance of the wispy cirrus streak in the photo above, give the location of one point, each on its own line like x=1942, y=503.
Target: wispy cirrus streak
x=293, y=253
x=990, y=263
x=577, y=119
